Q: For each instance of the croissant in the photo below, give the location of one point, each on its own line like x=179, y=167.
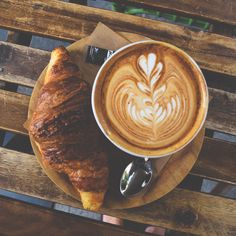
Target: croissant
x=65, y=131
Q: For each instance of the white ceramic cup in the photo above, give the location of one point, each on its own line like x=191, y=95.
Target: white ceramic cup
x=98, y=78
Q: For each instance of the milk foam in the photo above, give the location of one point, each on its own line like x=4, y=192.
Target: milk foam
x=148, y=99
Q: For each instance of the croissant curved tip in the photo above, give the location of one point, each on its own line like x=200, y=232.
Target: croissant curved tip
x=61, y=65
x=59, y=52
x=92, y=200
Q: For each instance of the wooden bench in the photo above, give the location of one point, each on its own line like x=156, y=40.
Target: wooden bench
x=182, y=209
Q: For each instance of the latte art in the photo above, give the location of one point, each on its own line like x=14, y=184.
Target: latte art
x=146, y=108
x=150, y=99
x=146, y=100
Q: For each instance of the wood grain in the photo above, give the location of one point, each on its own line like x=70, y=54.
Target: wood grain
x=222, y=111
x=181, y=210
x=38, y=221
x=13, y=110
x=17, y=79
x=20, y=63
x=216, y=161
x=213, y=10
x=77, y=21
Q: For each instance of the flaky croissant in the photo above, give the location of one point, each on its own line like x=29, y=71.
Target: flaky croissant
x=65, y=131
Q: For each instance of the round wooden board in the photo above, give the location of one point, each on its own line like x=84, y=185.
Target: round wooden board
x=172, y=174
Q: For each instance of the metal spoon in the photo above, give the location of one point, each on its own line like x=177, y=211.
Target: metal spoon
x=136, y=177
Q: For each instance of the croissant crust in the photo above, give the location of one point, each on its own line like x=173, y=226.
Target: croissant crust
x=64, y=128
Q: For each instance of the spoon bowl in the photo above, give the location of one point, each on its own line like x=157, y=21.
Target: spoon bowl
x=136, y=177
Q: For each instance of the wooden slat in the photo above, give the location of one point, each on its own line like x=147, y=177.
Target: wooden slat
x=221, y=116
x=18, y=62
x=17, y=79
x=211, y=51
x=21, y=219
x=13, y=110
x=212, y=10
x=182, y=210
x=217, y=161
x=222, y=111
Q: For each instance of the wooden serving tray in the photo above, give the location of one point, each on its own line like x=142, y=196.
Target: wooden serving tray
x=176, y=169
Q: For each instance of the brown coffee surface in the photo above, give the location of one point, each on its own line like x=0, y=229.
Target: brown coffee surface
x=150, y=98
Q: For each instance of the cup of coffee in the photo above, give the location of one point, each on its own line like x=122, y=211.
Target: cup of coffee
x=150, y=99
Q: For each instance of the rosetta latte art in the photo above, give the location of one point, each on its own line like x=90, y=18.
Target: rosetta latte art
x=153, y=112
x=149, y=104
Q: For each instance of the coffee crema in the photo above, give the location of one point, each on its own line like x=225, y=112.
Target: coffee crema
x=151, y=98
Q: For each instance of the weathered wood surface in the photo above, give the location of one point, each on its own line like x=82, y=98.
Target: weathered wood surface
x=13, y=111
x=222, y=111
x=212, y=10
x=38, y=221
x=17, y=79
x=181, y=210
x=211, y=51
x=21, y=63
x=216, y=161
x=221, y=116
